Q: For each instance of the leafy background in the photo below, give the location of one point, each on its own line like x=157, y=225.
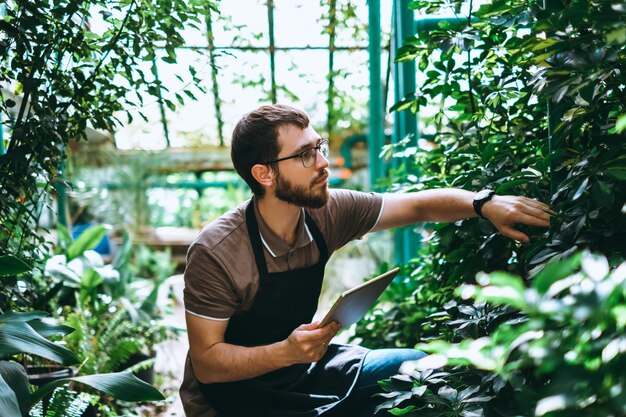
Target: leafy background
x=526, y=98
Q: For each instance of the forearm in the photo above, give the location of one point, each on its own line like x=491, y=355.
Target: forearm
x=440, y=205
x=224, y=362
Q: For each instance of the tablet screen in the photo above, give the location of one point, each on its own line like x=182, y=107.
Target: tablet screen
x=354, y=303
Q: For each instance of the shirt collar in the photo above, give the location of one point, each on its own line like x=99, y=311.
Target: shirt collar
x=274, y=244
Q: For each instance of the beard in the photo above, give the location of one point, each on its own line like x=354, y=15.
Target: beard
x=301, y=196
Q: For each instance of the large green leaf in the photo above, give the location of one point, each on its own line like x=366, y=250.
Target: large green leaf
x=8, y=401
x=22, y=316
x=10, y=265
x=14, y=375
x=19, y=337
x=89, y=239
x=121, y=385
x=50, y=329
x=45, y=329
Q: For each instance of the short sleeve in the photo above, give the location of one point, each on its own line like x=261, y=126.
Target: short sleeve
x=350, y=215
x=208, y=289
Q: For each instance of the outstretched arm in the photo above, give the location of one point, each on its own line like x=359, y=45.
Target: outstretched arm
x=450, y=204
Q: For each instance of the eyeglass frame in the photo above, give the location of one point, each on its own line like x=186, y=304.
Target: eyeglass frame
x=317, y=148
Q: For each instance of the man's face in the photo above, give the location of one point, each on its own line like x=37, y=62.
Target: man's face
x=295, y=184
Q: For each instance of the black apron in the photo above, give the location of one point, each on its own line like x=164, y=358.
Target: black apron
x=284, y=301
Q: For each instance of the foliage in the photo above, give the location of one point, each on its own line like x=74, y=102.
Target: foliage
x=493, y=84
x=63, y=403
x=25, y=333
x=116, y=313
x=526, y=100
x=563, y=357
x=60, y=78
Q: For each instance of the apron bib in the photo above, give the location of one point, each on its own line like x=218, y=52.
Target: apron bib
x=284, y=301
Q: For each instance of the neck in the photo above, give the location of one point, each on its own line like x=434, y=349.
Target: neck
x=281, y=217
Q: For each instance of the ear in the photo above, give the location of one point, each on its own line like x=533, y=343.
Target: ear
x=263, y=174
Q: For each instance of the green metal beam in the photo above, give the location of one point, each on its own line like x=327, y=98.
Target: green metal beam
x=330, y=100
x=217, y=102
x=196, y=185
x=272, y=50
x=376, y=110
x=406, y=241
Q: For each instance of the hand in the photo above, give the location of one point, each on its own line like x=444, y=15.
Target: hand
x=309, y=342
x=506, y=211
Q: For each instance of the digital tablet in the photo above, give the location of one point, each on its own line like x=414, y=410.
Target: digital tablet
x=354, y=303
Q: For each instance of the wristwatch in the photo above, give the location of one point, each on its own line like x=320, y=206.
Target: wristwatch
x=480, y=198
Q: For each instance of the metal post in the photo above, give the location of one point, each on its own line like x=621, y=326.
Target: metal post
x=330, y=105
x=377, y=111
x=217, y=102
x=406, y=241
x=270, y=20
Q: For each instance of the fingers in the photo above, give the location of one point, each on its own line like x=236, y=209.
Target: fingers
x=539, y=205
x=532, y=219
x=309, y=326
x=309, y=346
x=514, y=234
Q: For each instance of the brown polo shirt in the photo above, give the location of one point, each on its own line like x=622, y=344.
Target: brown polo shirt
x=221, y=276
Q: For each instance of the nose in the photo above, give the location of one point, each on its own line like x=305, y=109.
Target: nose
x=321, y=161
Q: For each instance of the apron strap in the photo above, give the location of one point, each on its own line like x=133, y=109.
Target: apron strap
x=255, y=239
x=317, y=236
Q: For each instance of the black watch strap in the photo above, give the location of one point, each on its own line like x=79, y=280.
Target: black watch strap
x=480, y=199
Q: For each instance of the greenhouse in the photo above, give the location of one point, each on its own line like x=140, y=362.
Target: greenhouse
x=301, y=208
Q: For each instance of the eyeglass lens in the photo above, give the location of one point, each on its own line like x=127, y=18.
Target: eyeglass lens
x=310, y=156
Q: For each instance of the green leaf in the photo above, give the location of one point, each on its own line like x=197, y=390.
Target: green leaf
x=63, y=236
x=620, y=126
x=19, y=337
x=22, y=316
x=11, y=265
x=581, y=189
x=89, y=239
x=90, y=280
x=619, y=313
x=619, y=173
x=9, y=406
x=554, y=271
x=48, y=329
x=120, y=385
x=502, y=279
x=14, y=376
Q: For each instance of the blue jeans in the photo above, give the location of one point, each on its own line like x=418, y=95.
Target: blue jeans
x=379, y=364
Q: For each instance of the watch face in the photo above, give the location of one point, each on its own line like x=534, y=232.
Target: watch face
x=482, y=194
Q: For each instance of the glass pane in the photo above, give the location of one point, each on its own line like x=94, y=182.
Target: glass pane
x=352, y=18
x=195, y=122
x=299, y=23
x=140, y=133
x=241, y=23
x=244, y=84
x=351, y=89
x=301, y=76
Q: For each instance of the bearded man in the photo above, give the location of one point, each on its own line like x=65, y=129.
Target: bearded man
x=254, y=275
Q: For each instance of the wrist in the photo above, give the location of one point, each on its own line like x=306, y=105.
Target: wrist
x=283, y=354
x=487, y=207
x=481, y=199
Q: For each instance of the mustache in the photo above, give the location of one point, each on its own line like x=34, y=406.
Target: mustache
x=324, y=174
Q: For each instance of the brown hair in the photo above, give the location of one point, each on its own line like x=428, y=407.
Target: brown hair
x=255, y=139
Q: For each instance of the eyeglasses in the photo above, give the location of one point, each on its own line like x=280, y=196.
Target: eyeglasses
x=309, y=156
